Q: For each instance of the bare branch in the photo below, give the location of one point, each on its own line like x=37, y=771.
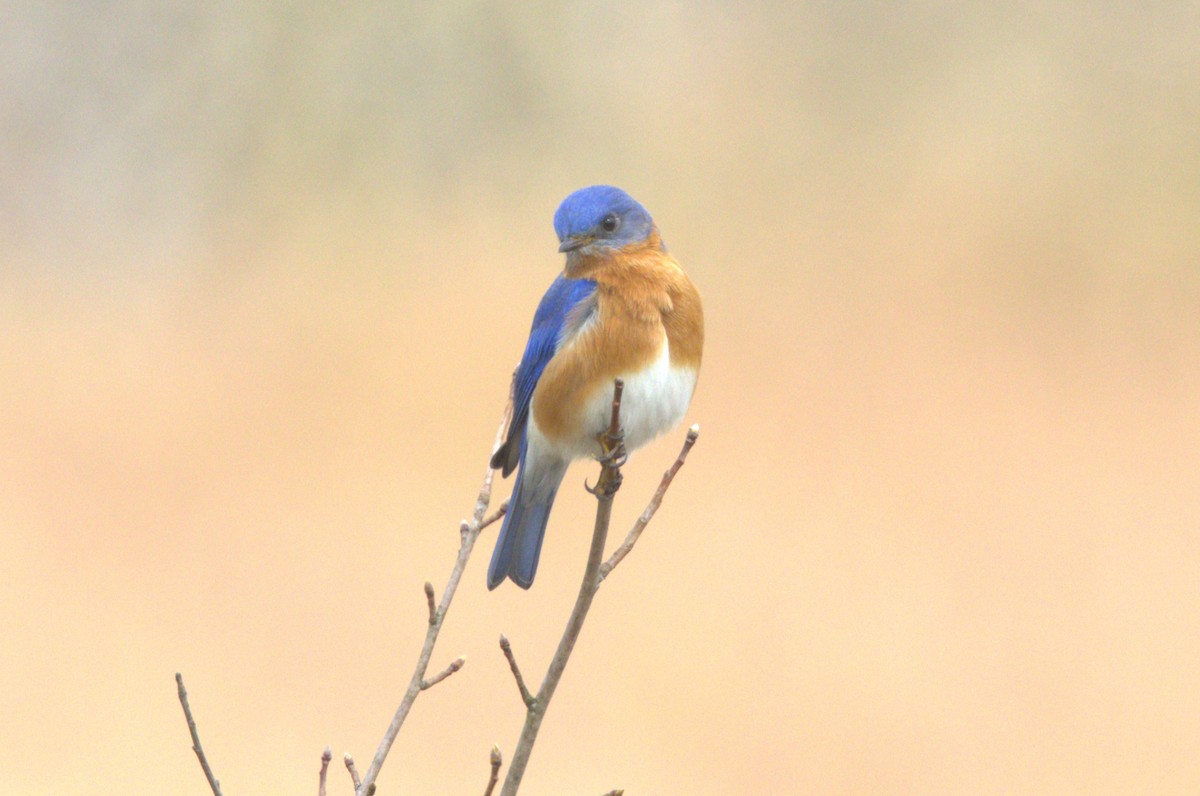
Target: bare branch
x=196, y=747
x=326, y=756
x=506, y=647
x=494, y=777
x=353, y=769
x=616, y=792
x=635, y=533
x=469, y=533
x=454, y=666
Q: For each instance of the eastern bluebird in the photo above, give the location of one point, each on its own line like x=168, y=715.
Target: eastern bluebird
x=622, y=307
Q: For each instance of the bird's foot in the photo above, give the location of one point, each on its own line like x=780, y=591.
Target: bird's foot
x=612, y=451
x=612, y=458
x=607, y=486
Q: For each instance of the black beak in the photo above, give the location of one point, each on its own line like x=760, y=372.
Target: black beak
x=574, y=242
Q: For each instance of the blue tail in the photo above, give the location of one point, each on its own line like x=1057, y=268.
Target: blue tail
x=520, y=543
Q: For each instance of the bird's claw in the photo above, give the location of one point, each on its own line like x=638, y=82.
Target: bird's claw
x=616, y=457
x=607, y=486
x=612, y=450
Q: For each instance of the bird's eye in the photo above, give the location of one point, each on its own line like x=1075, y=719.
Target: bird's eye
x=610, y=223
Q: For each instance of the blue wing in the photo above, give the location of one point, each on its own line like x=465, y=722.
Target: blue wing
x=549, y=321
x=520, y=541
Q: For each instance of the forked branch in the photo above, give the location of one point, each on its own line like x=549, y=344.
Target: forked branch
x=612, y=458
x=468, y=532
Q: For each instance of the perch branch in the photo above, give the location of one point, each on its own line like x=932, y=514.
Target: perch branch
x=635, y=533
x=612, y=457
x=196, y=747
x=469, y=534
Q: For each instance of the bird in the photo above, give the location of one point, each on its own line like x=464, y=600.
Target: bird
x=622, y=307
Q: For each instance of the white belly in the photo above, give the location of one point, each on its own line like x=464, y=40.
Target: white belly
x=654, y=400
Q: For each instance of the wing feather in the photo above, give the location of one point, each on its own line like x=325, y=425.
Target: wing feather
x=557, y=314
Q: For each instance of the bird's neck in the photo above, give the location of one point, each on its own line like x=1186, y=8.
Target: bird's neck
x=637, y=260
x=639, y=281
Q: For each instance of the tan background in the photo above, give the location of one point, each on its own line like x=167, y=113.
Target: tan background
x=264, y=277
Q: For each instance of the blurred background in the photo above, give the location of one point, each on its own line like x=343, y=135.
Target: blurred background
x=264, y=274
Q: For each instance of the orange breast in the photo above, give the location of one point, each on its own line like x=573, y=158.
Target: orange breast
x=643, y=300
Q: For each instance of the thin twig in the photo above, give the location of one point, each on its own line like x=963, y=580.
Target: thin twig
x=454, y=666
x=196, y=747
x=469, y=534
x=614, y=420
x=506, y=647
x=500, y=511
x=613, y=455
x=495, y=759
x=635, y=533
x=353, y=769
x=429, y=600
x=326, y=756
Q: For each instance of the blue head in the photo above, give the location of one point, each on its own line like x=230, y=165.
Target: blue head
x=600, y=217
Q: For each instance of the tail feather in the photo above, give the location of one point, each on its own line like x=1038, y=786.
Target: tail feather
x=520, y=543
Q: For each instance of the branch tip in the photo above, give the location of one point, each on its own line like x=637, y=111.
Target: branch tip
x=354, y=777
x=454, y=666
x=326, y=756
x=526, y=696
x=494, y=775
